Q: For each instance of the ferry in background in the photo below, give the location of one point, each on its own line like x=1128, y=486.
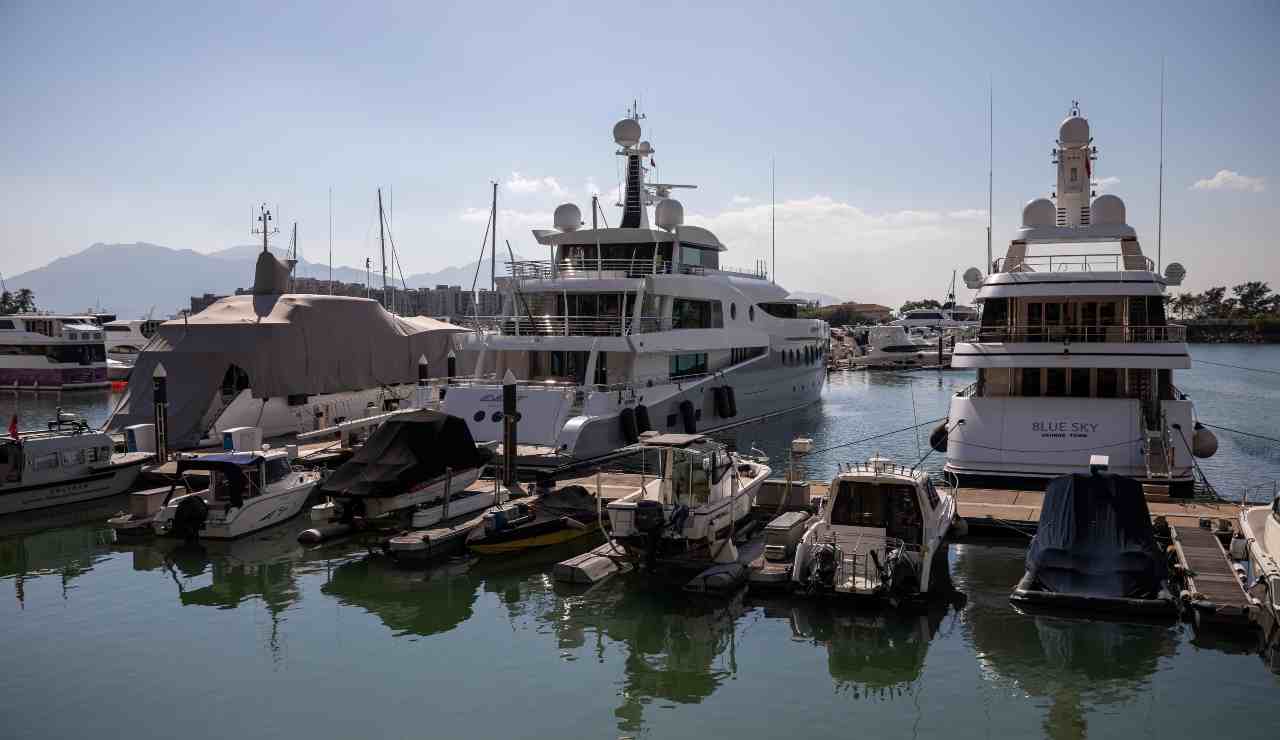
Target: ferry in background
x=631, y=328
x=52, y=352
x=1074, y=355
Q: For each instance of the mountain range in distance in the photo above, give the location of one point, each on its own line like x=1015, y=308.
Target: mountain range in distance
x=134, y=280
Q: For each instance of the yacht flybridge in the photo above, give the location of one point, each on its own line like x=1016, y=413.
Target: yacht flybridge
x=1074, y=355
x=633, y=328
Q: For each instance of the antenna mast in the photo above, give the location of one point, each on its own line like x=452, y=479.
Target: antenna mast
x=264, y=226
x=773, y=221
x=1160, y=188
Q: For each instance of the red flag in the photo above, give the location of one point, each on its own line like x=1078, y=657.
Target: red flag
x=13, y=427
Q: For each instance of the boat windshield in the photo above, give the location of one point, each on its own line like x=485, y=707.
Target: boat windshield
x=690, y=477
x=889, y=506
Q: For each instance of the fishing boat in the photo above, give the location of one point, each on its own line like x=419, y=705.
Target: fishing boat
x=246, y=492
x=1095, y=549
x=65, y=463
x=636, y=327
x=1257, y=548
x=881, y=533
x=1074, y=354
x=689, y=511
x=549, y=518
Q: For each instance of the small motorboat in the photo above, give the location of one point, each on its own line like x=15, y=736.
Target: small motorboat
x=688, y=512
x=1257, y=550
x=407, y=464
x=1095, y=550
x=881, y=533
x=247, y=492
x=65, y=463
x=550, y=518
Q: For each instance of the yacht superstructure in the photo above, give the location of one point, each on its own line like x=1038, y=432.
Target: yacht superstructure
x=1074, y=354
x=125, y=338
x=634, y=328
x=52, y=351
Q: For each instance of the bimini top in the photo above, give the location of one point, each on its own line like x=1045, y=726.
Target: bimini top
x=219, y=461
x=673, y=440
x=286, y=345
x=408, y=449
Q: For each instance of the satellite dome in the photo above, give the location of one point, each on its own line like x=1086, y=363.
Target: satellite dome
x=973, y=278
x=646, y=148
x=568, y=217
x=1174, y=272
x=1107, y=209
x=1039, y=212
x=626, y=133
x=1074, y=130
x=669, y=213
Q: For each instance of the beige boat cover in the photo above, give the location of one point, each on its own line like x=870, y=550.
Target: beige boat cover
x=288, y=345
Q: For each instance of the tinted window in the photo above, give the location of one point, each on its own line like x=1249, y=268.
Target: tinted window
x=277, y=469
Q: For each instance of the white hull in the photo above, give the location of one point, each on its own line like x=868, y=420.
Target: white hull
x=276, y=418
x=110, y=481
x=430, y=492
x=706, y=524
x=460, y=504
x=258, y=513
x=1046, y=437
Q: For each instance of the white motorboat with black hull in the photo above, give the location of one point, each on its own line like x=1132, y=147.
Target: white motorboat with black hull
x=633, y=328
x=64, y=464
x=1074, y=355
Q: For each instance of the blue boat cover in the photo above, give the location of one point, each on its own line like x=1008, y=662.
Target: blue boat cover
x=1095, y=538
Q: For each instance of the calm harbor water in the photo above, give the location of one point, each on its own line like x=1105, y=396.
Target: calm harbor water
x=265, y=638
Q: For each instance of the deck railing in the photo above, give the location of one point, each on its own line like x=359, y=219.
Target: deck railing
x=1068, y=334
x=566, y=326
x=1075, y=263
x=630, y=268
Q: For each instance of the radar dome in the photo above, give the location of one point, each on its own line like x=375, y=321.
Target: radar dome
x=568, y=217
x=1074, y=130
x=626, y=132
x=1107, y=209
x=669, y=213
x=1039, y=212
x=1174, y=272
x=646, y=148
x=973, y=278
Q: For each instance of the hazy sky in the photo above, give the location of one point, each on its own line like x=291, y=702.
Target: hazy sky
x=132, y=122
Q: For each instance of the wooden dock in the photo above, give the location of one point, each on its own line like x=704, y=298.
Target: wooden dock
x=1212, y=590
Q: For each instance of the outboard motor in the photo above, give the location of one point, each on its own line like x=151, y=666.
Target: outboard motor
x=649, y=516
x=190, y=517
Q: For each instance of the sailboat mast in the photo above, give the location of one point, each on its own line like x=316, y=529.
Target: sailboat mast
x=990, y=164
x=493, y=245
x=383, y=244
x=330, y=241
x=773, y=221
x=1160, y=187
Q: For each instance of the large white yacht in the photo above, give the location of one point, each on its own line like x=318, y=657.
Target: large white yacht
x=52, y=351
x=1074, y=355
x=125, y=338
x=632, y=328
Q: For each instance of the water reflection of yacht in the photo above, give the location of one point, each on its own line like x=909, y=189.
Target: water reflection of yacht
x=629, y=328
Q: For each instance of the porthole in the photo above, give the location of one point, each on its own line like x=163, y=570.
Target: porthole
x=733, y=311
x=497, y=416
x=479, y=416
x=751, y=313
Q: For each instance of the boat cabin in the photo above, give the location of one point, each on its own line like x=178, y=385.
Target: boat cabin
x=884, y=497
x=691, y=466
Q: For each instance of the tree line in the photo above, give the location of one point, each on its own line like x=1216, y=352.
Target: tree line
x=1251, y=300
x=22, y=301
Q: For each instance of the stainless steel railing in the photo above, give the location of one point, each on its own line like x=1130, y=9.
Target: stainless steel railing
x=1134, y=334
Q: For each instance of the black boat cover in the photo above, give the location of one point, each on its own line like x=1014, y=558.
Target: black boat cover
x=406, y=450
x=1095, y=537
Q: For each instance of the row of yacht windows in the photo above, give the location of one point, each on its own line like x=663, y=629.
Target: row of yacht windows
x=1083, y=319
x=686, y=313
x=1074, y=382
x=72, y=353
